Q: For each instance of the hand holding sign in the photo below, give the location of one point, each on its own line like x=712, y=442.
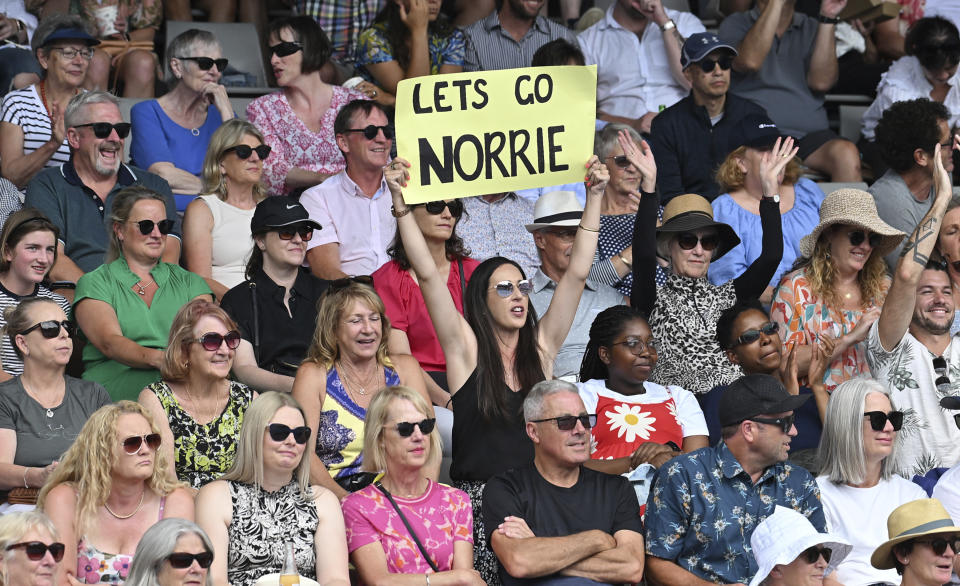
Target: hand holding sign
x=597, y=176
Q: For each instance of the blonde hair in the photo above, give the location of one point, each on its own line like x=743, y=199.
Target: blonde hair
x=88, y=465
x=731, y=177
x=123, y=204
x=229, y=134
x=821, y=273
x=248, y=463
x=13, y=526
x=324, y=348
x=374, y=454
x=175, y=365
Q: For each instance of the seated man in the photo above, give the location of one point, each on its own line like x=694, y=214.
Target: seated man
x=786, y=62
x=493, y=225
x=702, y=512
x=510, y=35
x=632, y=90
x=692, y=137
x=354, y=205
x=556, y=217
x=78, y=195
x=906, y=134
x=555, y=518
x=789, y=551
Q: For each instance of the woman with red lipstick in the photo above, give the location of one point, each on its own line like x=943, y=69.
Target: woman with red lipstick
x=638, y=422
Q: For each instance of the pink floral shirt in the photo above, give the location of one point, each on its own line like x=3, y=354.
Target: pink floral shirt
x=440, y=517
x=294, y=145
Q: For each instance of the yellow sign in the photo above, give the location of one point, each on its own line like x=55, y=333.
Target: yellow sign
x=495, y=131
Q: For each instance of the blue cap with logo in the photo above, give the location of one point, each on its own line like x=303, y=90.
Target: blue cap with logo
x=699, y=45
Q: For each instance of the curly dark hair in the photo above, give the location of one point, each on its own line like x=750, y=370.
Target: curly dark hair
x=935, y=42
x=606, y=327
x=730, y=315
x=398, y=36
x=906, y=127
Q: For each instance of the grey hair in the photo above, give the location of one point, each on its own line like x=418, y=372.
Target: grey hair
x=841, y=442
x=73, y=115
x=156, y=544
x=52, y=23
x=533, y=403
x=13, y=526
x=606, y=139
x=187, y=42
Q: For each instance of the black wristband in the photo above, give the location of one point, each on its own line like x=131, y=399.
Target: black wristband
x=828, y=20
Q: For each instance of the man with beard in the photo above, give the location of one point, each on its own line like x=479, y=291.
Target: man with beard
x=78, y=195
x=910, y=349
x=509, y=37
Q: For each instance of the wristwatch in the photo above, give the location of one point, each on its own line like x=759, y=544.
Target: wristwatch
x=399, y=214
x=828, y=19
x=775, y=198
x=668, y=26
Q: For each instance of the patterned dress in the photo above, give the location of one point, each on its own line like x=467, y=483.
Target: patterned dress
x=374, y=47
x=616, y=233
x=202, y=453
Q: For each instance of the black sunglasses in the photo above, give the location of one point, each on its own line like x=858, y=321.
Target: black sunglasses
x=132, y=444
x=812, y=554
x=858, y=236
x=620, y=161
x=244, y=151
x=280, y=432
x=436, y=207
x=103, y=129
x=942, y=383
x=568, y=422
x=285, y=48
x=51, y=328
x=724, y=62
x=940, y=544
x=637, y=346
x=785, y=423
x=956, y=420
x=752, y=335
x=205, y=63
x=405, y=428
x=345, y=282
x=37, y=549
x=371, y=131
x=181, y=560
x=689, y=240
x=505, y=288
x=211, y=341
x=878, y=419
x=146, y=226
x=305, y=232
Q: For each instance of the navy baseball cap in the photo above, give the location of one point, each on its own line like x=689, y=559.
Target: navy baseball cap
x=699, y=45
x=70, y=34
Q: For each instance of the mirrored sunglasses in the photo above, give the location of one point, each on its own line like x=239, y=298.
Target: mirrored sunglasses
x=205, y=63
x=436, y=207
x=569, y=422
x=752, y=335
x=132, y=444
x=35, y=550
x=280, y=432
x=371, y=131
x=405, y=428
x=725, y=63
x=505, y=288
x=285, y=48
x=103, y=129
x=146, y=226
x=244, y=151
x=51, y=328
x=858, y=236
x=211, y=341
x=812, y=554
x=878, y=419
x=181, y=560
x=689, y=240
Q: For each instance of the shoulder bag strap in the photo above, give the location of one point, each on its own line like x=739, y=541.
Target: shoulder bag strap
x=256, y=321
x=463, y=282
x=407, y=525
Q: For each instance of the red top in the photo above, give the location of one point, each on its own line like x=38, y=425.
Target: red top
x=405, y=307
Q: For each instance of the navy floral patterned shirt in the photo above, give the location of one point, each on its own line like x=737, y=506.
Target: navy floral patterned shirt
x=704, y=507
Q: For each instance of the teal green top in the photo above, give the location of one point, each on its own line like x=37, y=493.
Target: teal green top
x=148, y=326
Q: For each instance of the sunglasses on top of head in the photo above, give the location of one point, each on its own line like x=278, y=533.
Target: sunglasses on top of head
x=436, y=207
x=724, y=62
x=689, y=240
x=505, y=288
x=211, y=341
x=35, y=550
x=183, y=560
x=146, y=226
x=280, y=432
x=878, y=419
x=244, y=151
x=205, y=63
x=103, y=129
x=50, y=328
x=857, y=237
x=132, y=444
x=285, y=48
x=370, y=131
x=405, y=428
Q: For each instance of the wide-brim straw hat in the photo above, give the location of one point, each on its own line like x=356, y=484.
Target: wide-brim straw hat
x=852, y=207
x=783, y=536
x=910, y=521
x=688, y=213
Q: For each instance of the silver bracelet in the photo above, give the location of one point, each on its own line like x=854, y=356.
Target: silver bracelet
x=25, y=470
x=427, y=576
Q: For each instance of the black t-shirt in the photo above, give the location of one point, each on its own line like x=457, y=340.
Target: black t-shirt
x=597, y=501
x=283, y=339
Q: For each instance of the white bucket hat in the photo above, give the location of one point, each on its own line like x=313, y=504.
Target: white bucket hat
x=786, y=534
x=556, y=208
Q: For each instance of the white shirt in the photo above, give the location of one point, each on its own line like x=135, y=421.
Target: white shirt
x=633, y=74
x=689, y=415
x=14, y=9
x=947, y=491
x=905, y=81
x=362, y=226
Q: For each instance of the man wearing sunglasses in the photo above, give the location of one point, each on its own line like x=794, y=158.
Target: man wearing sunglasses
x=554, y=517
x=692, y=137
x=909, y=347
x=700, y=516
x=354, y=205
x=78, y=195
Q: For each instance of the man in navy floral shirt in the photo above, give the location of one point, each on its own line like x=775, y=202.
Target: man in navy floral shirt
x=704, y=505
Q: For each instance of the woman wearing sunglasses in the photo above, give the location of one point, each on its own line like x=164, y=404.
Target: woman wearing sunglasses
x=401, y=441
x=126, y=306
x=216, y=224
x=266, y=500
x=110, y=487
x=174, y=552
x=497, y=351
x=171, y=134
x=922, y=546
x=613, y=384
x=838, y=286
x=298, y=120
x=42, y=398
x=859, y=486
x=30, y=554
x=347, y=365
x=198, y=409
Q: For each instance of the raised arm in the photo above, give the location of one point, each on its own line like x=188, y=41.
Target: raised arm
x=755, y=46
x=823, y=68
x=644, y=293
x=389, y=73
x=18, y=167
x=898, y=306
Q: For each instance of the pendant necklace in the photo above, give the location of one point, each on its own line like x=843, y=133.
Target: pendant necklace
x=142, y=289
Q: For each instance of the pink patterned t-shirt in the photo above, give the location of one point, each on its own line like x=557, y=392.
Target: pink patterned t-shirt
x=294, y=145
x=440, y=517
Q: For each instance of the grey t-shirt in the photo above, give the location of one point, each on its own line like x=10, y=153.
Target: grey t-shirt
x=41, y=439
x=898, y=207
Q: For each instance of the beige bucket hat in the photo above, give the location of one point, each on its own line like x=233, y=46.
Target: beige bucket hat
x=852, y=207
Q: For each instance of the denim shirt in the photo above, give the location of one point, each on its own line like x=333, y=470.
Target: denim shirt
x=704, y=507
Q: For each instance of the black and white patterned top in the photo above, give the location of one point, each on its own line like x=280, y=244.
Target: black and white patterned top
x=11, y=362
x=25, y=109
x=260, y=525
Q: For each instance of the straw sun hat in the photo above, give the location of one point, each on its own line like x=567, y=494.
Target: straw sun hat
x=852, y=207
x=910, y=521
x=688, y=213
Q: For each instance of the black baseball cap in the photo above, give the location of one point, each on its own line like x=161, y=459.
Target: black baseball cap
x=278, y=212
x=755, y=394
x=755, y=131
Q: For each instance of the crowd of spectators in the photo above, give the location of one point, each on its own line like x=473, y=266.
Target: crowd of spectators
x=242, y=353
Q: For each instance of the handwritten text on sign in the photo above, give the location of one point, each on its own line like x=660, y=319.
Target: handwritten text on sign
x=494, y=131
